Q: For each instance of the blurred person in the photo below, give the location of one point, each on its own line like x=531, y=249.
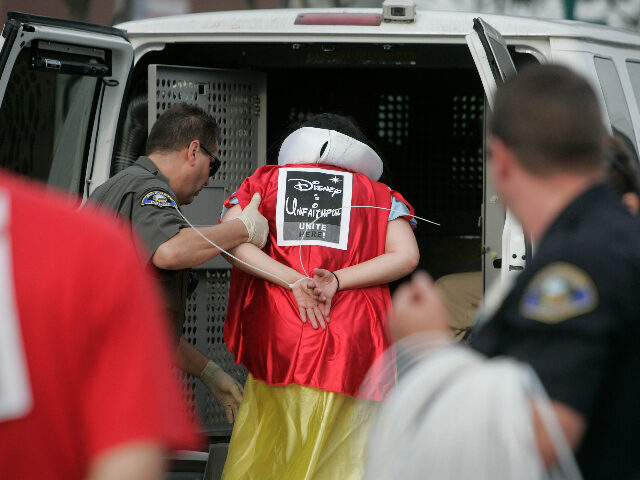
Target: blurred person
x=307, y=351
x=622, y=172
x=463, y=291
x=455, y=415
x=572, y=314
x=182, y=154
x=463, y=295
x=87, y=386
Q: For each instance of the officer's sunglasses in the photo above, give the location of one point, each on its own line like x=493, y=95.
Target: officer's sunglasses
x=215, y=161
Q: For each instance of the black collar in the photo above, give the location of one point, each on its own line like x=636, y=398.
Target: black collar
x=592, y=198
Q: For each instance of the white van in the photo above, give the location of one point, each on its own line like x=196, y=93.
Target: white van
x=77, y=101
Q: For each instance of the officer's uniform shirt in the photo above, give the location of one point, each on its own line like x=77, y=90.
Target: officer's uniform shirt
x=142, y=195
x=574, y=315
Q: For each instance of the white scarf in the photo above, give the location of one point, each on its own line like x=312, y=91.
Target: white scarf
x=457, y=415
x=305, y=145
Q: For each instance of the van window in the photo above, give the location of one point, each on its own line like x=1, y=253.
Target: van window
x=633, y=68
x=46, y=120
x=615, y=100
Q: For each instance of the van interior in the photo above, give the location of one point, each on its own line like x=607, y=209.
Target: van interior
x=422, y=105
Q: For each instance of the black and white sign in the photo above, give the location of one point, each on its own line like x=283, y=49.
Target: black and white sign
x=314, y=207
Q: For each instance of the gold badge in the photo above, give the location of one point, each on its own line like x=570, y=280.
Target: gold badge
x=558, y=292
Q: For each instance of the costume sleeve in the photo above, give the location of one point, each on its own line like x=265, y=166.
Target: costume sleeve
x=256, y=183
x=407, y=212
x=400, y=210
x=563, y=328
x=130, y=391
x=228, y=203
x=154, y=221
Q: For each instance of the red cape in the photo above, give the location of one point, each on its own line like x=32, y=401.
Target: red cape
x=263, y=327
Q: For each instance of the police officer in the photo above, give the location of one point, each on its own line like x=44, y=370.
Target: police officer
x=573, y=313
x=182, y=150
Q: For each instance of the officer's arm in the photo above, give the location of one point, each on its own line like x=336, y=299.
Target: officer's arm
x=190, y=359
x=188, y=249
x=572, y=424
x=256, y=257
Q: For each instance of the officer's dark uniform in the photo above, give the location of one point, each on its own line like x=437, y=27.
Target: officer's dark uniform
x=142, y=195
x=574, y=315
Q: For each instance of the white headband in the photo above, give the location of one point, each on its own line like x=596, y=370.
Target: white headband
x=305, y=144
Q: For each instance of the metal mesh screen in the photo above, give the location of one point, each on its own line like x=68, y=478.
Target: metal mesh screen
x=237, y=100
x=466, y=164
x=206, y=311
x=393, y=118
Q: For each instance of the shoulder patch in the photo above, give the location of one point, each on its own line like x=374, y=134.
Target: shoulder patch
x=159, y=199
x=558, y=292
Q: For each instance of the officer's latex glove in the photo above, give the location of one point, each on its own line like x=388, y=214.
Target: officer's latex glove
x=257, y=225
x=223, y=387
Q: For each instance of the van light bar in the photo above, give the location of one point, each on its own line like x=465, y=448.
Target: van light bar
x=363, y=19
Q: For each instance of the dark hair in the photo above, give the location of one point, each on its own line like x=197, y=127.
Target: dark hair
x=179, y=125
x=550, y=117
x=622, y=165
x=333, y=121
x=339, y=123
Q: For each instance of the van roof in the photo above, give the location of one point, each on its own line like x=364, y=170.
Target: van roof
x=278, y=22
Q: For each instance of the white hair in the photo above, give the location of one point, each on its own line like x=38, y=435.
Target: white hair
x=456, y=415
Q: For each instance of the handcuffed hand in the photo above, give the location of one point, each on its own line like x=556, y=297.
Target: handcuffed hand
x=223, y=387
x=257, y=226
x=325, y=287
x=308, y=302
x=418, y=306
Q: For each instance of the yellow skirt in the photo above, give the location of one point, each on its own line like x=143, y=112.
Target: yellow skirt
x=297, y=433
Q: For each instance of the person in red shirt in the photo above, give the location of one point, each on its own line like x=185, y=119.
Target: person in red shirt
x=87, y=388
x=328, y=217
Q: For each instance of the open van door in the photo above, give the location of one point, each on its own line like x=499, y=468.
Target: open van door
x=61, y=88
x=503, y=242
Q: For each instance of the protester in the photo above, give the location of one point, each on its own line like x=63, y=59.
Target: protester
x=329, y=217
x=182, y=151
x=572, y=313
x=87, y=388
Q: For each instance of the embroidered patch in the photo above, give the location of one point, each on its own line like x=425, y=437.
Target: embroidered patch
x=159, y=199
x=558, y=292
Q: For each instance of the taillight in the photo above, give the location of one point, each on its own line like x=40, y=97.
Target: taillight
x=364, y=19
